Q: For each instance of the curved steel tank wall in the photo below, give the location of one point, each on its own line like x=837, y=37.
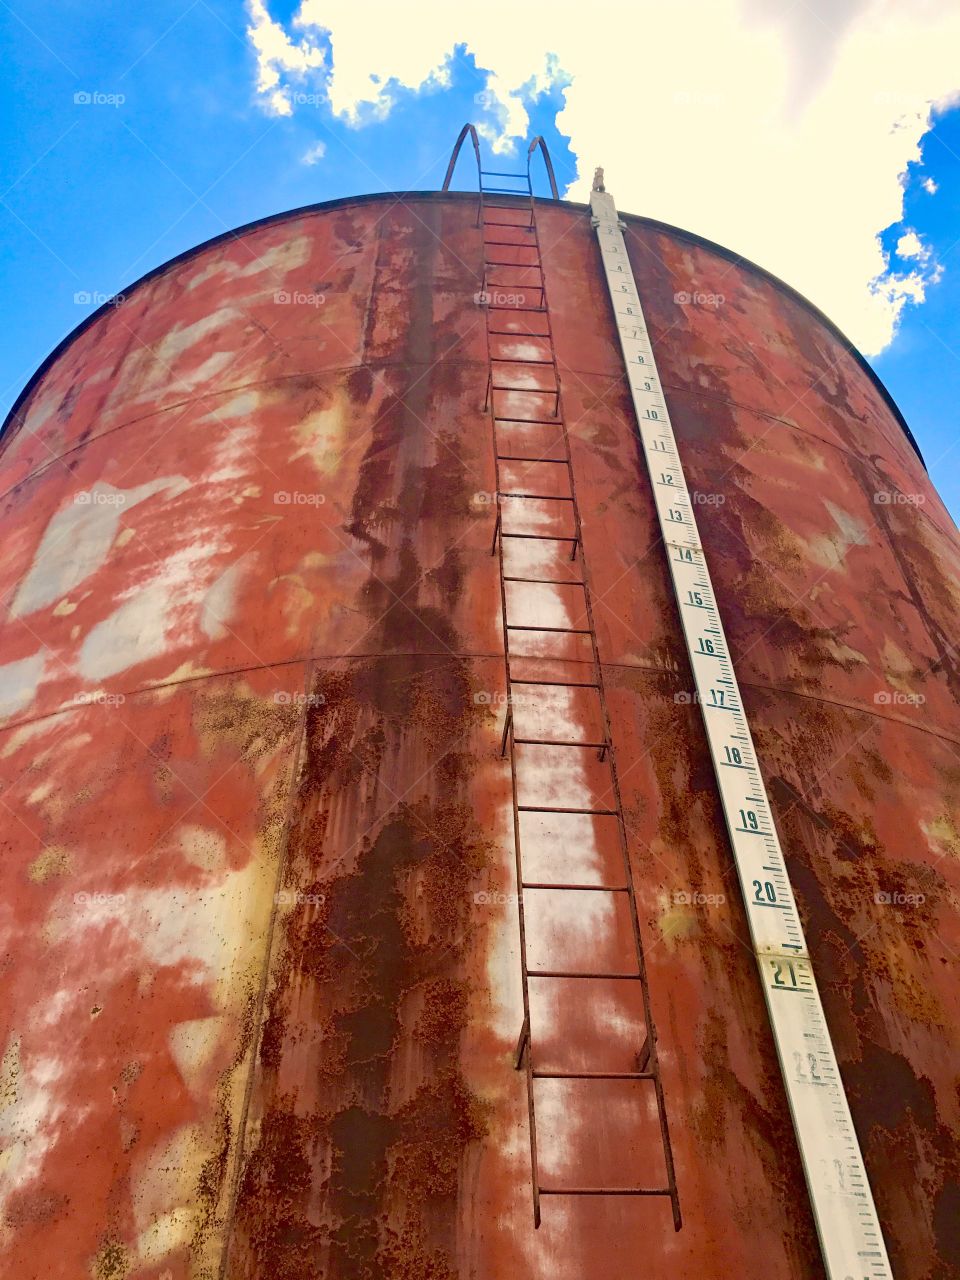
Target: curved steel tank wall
x=259, y=951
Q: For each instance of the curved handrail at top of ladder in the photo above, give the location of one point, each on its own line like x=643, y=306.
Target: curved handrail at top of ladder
x=538, y=140
x=467, y=128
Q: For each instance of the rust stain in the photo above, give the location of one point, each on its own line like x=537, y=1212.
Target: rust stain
x=258, y=940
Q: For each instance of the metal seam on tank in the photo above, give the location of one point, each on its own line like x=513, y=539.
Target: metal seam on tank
x=332, y=372
x=794, y=426
x=886, y=718
x=849, y=706
x=310, y=212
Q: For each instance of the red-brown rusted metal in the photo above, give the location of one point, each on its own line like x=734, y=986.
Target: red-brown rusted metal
x=259, y=958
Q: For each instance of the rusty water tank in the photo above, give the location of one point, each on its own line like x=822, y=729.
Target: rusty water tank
x=258, y=928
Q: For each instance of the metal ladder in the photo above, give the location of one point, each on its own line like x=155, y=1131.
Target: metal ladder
x=511, y=244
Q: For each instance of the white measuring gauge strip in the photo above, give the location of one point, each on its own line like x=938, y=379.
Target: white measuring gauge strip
x=843, y=1207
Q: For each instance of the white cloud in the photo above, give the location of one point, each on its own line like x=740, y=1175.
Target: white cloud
x=930, y=186
x=782, y=132
x=279, y=58
x=911, y=246
x=926, y=270
x=314, y=154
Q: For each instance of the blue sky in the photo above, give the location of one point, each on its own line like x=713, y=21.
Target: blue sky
x=96, y=193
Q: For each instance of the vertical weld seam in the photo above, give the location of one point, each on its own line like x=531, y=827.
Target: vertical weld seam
x=366, y=327
x=945, y=653
x=309, y=669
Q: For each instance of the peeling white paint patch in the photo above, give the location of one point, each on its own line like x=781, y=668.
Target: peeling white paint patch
x=162, y=1178
x=133, y=633
x=182, y=337
x=215, y=931
x=165, y=367
x=854, y=533
x=19, y=737
x=829, y=549
x=166, y=1233
x=278, y=260
x=216, y=268
x=209, y=369
x=220, y=601
x=205, y=847
x=242, y=405
x=49, y=1011
x=29, y=1128
x=193, y=1045
x=39, y=794
x=41, y=411
x=321, y=436
x=18, y=683
x=77, y=540
x=147, y=621
x=281, y=258
x=517, y=349
x=232, y=455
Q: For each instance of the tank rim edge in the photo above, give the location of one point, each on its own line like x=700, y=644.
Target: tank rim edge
x=398, y=196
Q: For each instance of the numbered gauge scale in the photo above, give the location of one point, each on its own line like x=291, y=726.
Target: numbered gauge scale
x=843, y=1206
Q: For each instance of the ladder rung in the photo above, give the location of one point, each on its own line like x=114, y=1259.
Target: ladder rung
x=580, y=888
x=552, y=742
x=529, y=458
x=497, y=285
x=567, y=631
x=511, y=333
x=593, y=1075
x=491, y=264
x=511, y=285
x=564, y=973
x=541, y=497
x=533, y=391
x=532, y=422
x=553, y=582
x=540, y=808
x=563, y=684
x=604, y=1191
x=509, y=262
x=543, y=537
x=518, y=360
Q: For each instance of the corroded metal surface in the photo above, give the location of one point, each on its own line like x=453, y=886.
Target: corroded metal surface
x=257, y=934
